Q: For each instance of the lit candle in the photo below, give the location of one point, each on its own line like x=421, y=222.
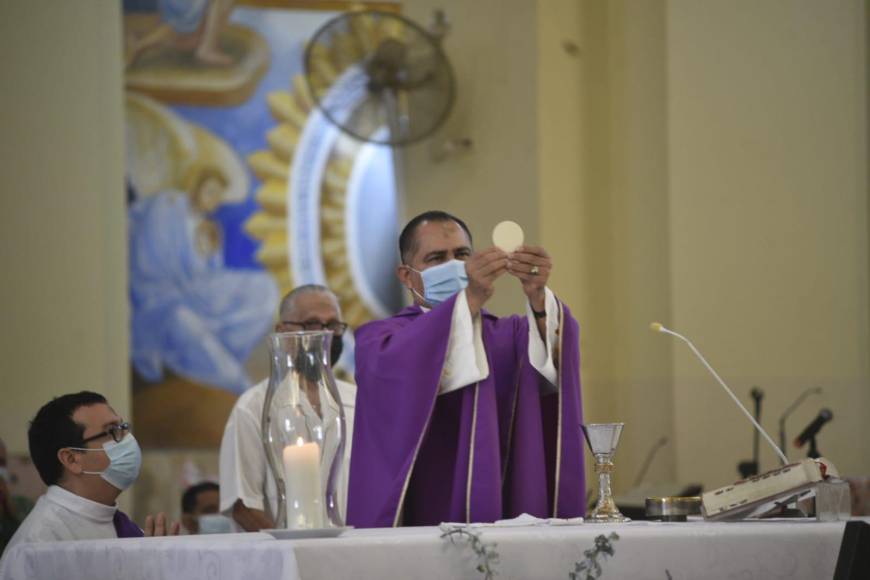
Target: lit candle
x=302, y=483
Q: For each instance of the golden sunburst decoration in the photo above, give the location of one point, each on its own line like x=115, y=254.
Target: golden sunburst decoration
x=270, y=224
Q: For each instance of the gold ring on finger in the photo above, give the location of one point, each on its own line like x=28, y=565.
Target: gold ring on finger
x=534, y=271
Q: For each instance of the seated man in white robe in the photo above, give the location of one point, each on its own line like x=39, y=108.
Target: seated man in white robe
x=86, y=455
x=248, y=492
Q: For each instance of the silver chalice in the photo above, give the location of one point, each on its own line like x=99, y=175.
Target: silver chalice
x=602, y=439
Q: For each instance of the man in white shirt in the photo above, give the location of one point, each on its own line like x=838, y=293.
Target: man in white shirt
x=247, y=490
x=86, y=455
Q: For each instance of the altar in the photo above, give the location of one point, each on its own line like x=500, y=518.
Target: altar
x=695, y=549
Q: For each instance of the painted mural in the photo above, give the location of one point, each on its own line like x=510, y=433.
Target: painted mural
x=237, y=190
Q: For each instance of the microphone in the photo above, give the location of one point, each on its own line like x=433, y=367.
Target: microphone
x=813, y=428
x=791, y=408
x=657, y=327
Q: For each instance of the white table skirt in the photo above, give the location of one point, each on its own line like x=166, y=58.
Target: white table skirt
x=745, y=550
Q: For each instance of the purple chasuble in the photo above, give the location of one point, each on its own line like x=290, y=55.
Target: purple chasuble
x=124, y=526
x=491, y=450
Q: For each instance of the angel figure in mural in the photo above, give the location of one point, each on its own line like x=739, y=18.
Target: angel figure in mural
x=191, y=314
x=190, y=26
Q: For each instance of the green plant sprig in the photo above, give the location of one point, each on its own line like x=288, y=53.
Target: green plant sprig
x=487, y=555
x=590, y=568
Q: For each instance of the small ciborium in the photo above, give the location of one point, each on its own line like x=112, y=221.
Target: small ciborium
x=603, y=439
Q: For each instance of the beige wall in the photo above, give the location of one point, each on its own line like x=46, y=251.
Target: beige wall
x=603, y=196
x=768, y=213
x=62, y=216
x=626, y=223
x=702, y=163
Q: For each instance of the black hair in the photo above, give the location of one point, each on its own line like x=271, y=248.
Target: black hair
x=408, y=238
x=188, y=499
x=53, y=428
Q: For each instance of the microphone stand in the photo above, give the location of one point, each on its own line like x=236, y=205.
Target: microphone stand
x=657, y=327
x=813, y=452
x=750, y=468
x=800, y=399
x=757, y=395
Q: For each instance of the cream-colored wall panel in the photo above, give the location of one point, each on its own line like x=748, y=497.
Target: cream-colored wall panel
x=62, y=214
x=625, y=163
x=768, y=218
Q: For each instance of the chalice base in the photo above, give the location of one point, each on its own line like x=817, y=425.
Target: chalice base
x=597, y=517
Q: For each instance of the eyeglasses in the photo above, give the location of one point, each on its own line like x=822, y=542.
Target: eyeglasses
x=336, y=327
x=116, y=431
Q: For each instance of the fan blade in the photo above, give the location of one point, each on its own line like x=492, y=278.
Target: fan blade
x=369, y=70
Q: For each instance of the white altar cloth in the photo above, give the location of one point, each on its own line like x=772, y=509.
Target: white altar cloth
x=745, y=550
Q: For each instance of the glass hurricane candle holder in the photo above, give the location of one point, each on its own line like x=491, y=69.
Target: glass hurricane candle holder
x=303, y=431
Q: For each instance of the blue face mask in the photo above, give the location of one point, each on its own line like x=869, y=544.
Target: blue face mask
x=214, y=524
x=443, y=281
x=125, y=461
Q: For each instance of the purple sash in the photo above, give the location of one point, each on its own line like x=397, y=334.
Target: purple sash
x=124, y=526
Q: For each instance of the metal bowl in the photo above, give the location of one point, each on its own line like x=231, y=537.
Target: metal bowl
x=672, y=509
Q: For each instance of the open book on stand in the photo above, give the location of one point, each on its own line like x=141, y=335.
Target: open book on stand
x=767, y=492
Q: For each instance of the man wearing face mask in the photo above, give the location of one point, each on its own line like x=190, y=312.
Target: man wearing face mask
x=463, y=416
x=199, y=510
x=247, y=492
x=87, y=456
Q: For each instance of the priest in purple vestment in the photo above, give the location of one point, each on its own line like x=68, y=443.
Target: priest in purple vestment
x=463, y=416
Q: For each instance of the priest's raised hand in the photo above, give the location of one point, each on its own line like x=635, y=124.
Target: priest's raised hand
x=532, y=266
x=483, y=269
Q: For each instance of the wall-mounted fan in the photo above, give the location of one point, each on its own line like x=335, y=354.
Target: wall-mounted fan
x=392, y=85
